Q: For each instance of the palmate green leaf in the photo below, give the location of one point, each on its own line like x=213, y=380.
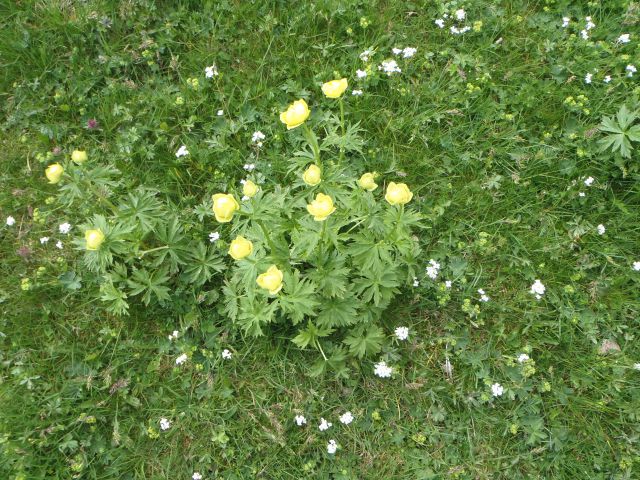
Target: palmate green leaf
x=231, y=300
x=621, y=133
x=330, y=274
x=365, y=340
x=378, y=285
x=150, y=283
x=114, y=298
x=116, y=235
x=338, y=312
x=305, y=237
x=368, y=253
x=336, y=362
x=298, y=299
x=310, y=335
x=169, y=233
x=254, y=313
x=142, y=209
x=201, y=265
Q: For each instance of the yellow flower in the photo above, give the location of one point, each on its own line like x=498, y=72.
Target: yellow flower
x=240, y=247
x=79, y=156
x=321, y=207
x=94, y=239
x=296, y=114
x=312, y=176
x=367, y=181
x=54, y=172
x=334, y=88
x=224, y=206
x=271, y=280
x=398, y=194
x=249, y=189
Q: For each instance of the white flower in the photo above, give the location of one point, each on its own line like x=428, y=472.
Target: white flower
x=581, y=194
x=589, y=181
x=182, y=152
x=356, y=92
x=433, y=269
x=537, y=289
x=174, y=335
x=364, y=56
x=361, y=73
x=64, y=228
x=588, y=77
x=59, y=245
x=181, y=359
x=636, y=366
x=584, y=34
x=409, y=52
x=214, y=237
x=439, y=22
x=396, y=51
x=447, y=284
x=416, y=283
x=589, y=24
x=631, y=69
x=601, y=229
x=226, y=354
x=300, y=420
x=211, y=71
x=196, y=476
x=165, y=424
x=565, y=22
x=497, y=390
x=382, y=370
x=636, y=266
x=10, y=221
x=346, y=418
x=483, y=295
x=44, y=240
x=249, y=167
x=257, y=137
x=607, y=79
x=523, y=357
x=220, y=113
x=402, y=333
x=332, y=446
x=324, y=425
x=389, y=67
x=624, y=38
x=460, y=14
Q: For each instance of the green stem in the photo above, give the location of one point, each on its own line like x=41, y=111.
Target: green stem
x=313, y=142
x=321, y=351
x=324, y=231
x=342, y=128
x=144, y=252
x=95, y=191
x=266, y=235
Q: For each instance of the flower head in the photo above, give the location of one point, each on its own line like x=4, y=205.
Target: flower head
x=182, y=152
x=226, y=354
x=346, y=418
x=537, y=289
x=300, y=420
x=211, y=71
x=271, y=280
x=224, y=206
x=334, y=88
x=382, y=370
x=94, y=238
x=312, y=176
x=165, y=424
x=64, y=228
x=321, y=207
x=398, y=193
x=181, y=359
x=249, y=189
x=54, y=172
x=79, y=156
x=497, y=390
x=367, y=181
x=324, y=425
x=332, y=446
x=10, y=221
x=601, y=229
x=240, y=247
x=402, y=333
x=295, y=114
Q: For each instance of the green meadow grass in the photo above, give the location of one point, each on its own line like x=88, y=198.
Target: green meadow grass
x=495, y=131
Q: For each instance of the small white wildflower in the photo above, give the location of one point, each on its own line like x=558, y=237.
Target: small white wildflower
x=59, y=245
x=214, y=237
x=364, y=56
x=10, y=221
x=182, y=152
x=439, y=22
x=226, y=354
x=453, y=29
x=346, y=418
x=389, y=67
x=588, y=77
x=361, y=73
x=409, y=52
x=211, y=71
x=249, y=167
x=433, y=269
x=220, y=113
x=589, y=25
x=636, y=266
x=332, y=446
x=523, y=357
x=181, y=359
x=300, y=420
x=64, y=228
x=396, y=51
x=630, y=69
x=589, y=181
x=416, y=282
x=460, y=14
x=357, y=93
x=636, y=366
x=584, y=34
x=565, y=22
x=324, y=425
x=257, y=138
x=465, y=29
x=447, y=284
x=607, y=79
x=196, y=476
x=44, y=240
x=174, y=335
x=483, y=295
x=382, y=370
x=165, y=424
x=402, y=333
x=624, y=38
x=581, y=194
x=537, y=289
x=601, y=229
x=497, y=390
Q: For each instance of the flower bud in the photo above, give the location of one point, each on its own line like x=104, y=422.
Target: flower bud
x=334, y=88
x=94, y=239
x=54, y=172
x=367, y=181
x=79, y=156
x=271, y=280
x=249, y=189
x=312, y=176
x=240, y=247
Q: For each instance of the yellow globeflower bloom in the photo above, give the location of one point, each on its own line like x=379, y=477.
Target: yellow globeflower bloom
x=367, y=181
x=79, y=156
x=224, y=206
x=312, y=176
x=240, y=247
x=321, y=207
x=296, y=114
x=249, y=189
x=334, y=88
x=398, y=194
x=271, y=280
x=94, y=239
x=54, y=172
